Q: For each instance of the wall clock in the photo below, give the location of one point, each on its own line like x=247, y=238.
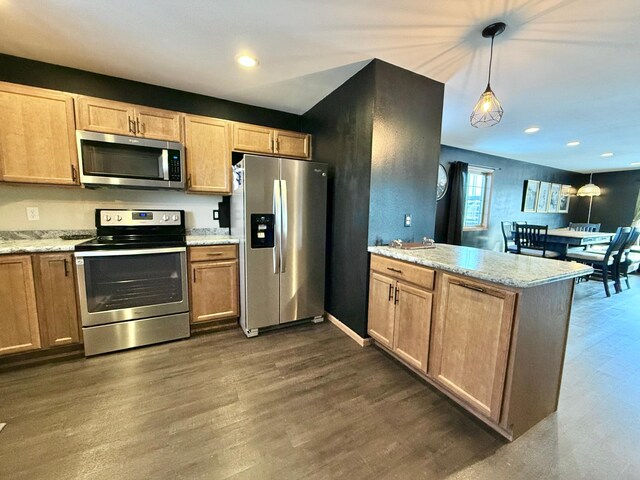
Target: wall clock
x=443, y=182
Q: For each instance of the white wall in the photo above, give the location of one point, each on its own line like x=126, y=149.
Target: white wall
x=64, y=208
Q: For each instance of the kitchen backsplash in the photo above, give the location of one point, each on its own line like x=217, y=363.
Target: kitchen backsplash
x=61, y=208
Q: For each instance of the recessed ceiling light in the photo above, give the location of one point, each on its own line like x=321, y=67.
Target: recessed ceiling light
x=607, y=154
x=532, y=130
x=575, y=143
x=247, y=61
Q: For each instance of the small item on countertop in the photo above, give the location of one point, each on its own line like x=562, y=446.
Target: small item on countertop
x=426, y=243
x=78, y=236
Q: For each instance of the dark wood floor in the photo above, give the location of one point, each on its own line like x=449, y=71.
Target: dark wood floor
x=307, y=402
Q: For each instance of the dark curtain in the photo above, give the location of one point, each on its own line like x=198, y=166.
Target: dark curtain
x=458, y=189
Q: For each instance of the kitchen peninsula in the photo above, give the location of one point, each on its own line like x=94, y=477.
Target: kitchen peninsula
x=488, y=329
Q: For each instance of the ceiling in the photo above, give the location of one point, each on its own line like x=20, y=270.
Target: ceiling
x=570, y=67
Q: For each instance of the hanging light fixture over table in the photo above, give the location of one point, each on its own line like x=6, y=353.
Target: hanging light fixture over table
x=589, y=190
x=488, y=111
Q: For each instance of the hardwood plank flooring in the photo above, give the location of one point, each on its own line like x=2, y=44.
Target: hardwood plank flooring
x=307, y=402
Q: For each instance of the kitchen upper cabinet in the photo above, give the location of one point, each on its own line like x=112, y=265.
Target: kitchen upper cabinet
x=56, y=294
x=19, y=330
x=37, y=136
x=214, y=283
x=208, y=152
x=471, y=338
x=400, y=312
x=256, y=139
x=107, y=116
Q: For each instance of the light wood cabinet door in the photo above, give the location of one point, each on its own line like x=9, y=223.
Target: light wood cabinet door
x=56, y=294
x=157, y=124
x=412, y=325
x=381, y=309
x=208, y=152
x=37, y=136
x=292, y=144
x=252, y=138
x=472, y=332
x=214, y=291
x=19, y=331
x=105, y=116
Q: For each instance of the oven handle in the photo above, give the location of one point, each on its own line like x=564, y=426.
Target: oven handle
x=120, y=253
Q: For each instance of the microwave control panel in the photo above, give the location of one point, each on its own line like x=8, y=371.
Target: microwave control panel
x=175, y=170
x=262, y=230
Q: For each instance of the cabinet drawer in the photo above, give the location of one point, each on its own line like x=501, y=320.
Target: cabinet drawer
x=212, y=253
x=408, y=272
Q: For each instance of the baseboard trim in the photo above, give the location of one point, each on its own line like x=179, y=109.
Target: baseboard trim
x=363, y=342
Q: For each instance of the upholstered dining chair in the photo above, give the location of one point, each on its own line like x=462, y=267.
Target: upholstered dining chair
x=605, y=262
x=585, y=227
x=532, y=240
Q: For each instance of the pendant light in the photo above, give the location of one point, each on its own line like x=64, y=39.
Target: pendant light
x=488, y=111
x=589, y=190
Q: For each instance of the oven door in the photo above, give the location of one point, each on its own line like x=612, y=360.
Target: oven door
x=120, y=285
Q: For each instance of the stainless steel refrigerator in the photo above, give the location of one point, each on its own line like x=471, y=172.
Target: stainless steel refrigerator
x=278, y=210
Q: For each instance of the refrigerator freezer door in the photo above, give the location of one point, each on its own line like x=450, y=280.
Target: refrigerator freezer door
x=303, y=188
x=260, y=265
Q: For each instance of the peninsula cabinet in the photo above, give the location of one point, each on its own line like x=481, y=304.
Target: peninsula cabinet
x=19, y=329
x=256, y=139
x=400, y=309
x=107, y=116
x=208, y=152
x=214, y=283
x=37, y=136
x=470, y=346
x=56, y=295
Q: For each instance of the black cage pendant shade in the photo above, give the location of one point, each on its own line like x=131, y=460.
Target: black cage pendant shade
x=488, y=111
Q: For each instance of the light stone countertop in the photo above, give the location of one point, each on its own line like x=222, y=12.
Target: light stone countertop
x=38, y=245
x=196, y=240
x=508, y=269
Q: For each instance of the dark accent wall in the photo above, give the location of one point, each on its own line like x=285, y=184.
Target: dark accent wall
x=380, y=134
x=55, y=77
x=615, y=207
x=506, y=202
x=406, y=147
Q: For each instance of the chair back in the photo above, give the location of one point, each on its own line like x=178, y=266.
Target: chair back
x=631, y=240
x=619, y=240
x=584, y=227
x=507, y=234
x=531, y=236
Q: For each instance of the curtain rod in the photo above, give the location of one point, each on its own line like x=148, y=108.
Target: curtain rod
x=484, y=166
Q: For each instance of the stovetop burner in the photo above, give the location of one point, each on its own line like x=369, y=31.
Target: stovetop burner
x=137, y=229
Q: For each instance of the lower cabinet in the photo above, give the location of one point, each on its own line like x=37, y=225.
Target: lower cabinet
x=56, y=294
x=19, y=329
x=470, y=345
x=400, y=318
x=214, y=283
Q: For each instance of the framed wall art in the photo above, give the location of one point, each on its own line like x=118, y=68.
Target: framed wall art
x=530, y=196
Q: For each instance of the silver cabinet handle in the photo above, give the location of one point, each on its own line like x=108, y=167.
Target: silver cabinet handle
x=285, y=227
x=277, y=207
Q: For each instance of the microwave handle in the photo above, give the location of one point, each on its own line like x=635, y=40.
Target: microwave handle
x=164, y=164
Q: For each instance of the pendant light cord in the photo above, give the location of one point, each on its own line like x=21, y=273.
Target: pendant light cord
x=490, y=60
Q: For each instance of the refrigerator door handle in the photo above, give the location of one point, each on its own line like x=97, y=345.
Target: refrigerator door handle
x=277, y=210
x=284, y=227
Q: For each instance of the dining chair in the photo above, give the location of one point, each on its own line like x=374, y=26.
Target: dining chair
x=605, y=262
x=507, y=235
x=628, y=260
x=584, y=227
x=531, y=240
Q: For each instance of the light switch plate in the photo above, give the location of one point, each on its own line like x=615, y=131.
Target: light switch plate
x=33, y=213
x=407, y=219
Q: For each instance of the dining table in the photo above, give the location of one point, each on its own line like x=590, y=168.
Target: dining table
x=561, y=239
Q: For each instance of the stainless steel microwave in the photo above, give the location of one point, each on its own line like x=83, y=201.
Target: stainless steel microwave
x=121, y=161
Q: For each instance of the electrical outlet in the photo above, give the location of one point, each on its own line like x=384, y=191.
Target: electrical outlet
x=216, y=214
x=407, y=219
x=33, y=213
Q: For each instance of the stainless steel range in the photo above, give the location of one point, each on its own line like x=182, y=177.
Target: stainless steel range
x=132, y=280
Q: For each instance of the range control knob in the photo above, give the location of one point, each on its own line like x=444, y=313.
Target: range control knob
x=175, y=218
x=119, y=218
x=165, y=217
x=107, y=218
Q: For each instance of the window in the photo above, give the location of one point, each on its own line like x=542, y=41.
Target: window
x=476, y=208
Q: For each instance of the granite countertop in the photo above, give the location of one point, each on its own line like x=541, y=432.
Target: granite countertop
x=518, y=271
x=38, y=245
x=195, y=240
